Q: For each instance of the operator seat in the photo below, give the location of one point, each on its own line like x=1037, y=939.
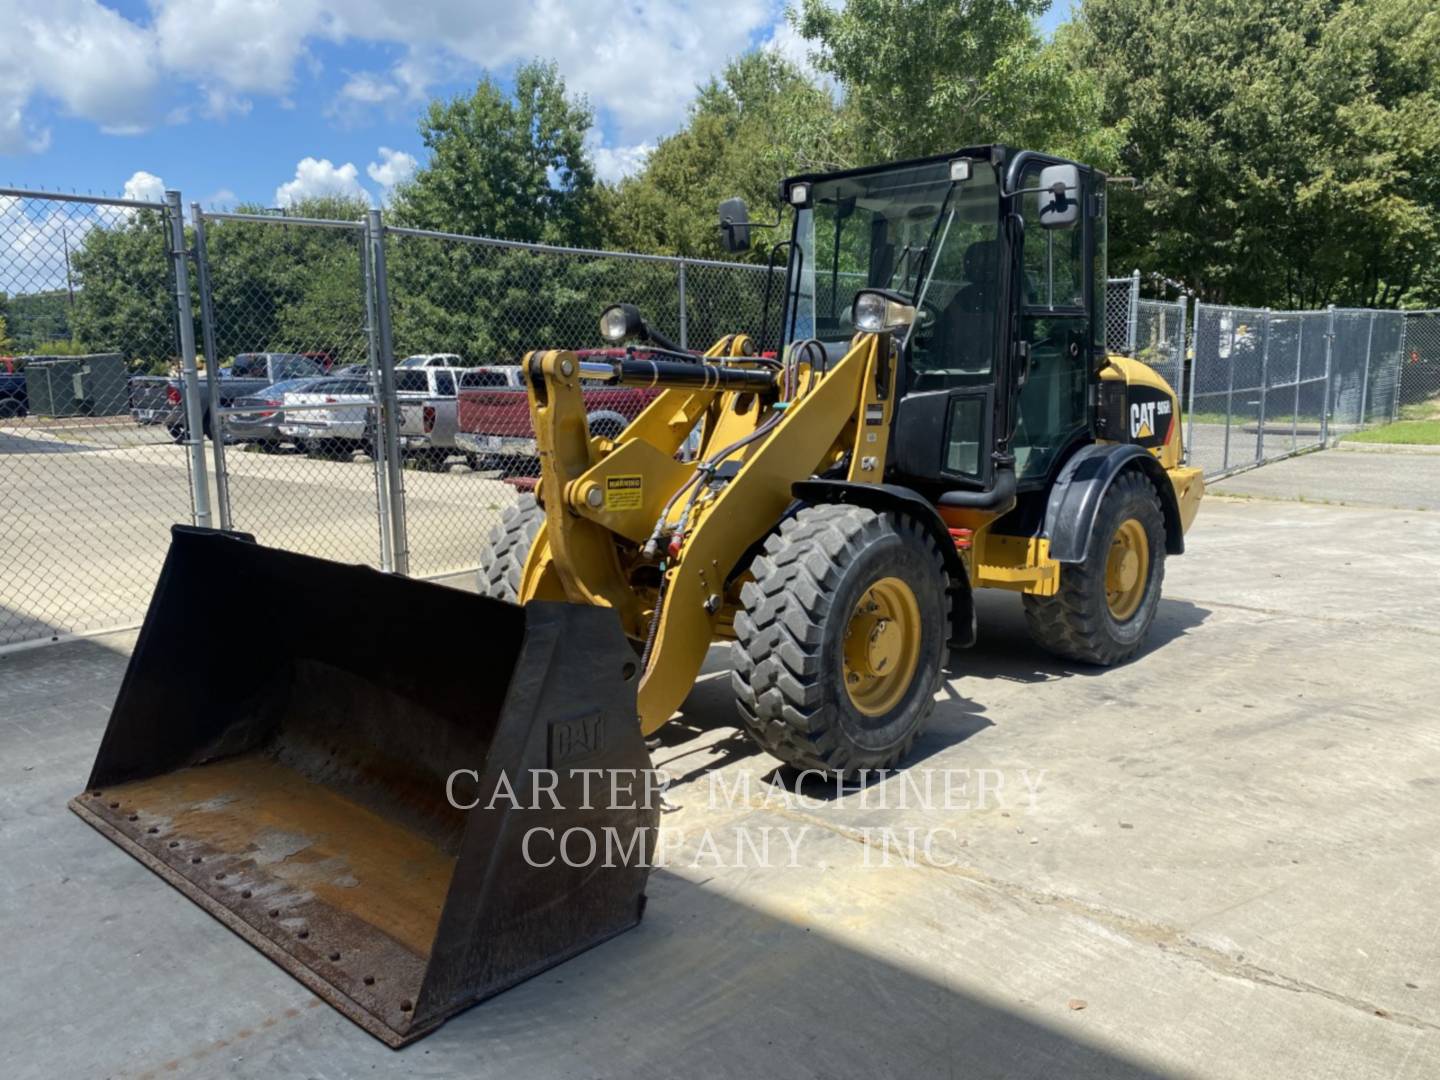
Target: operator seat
x=968, y=334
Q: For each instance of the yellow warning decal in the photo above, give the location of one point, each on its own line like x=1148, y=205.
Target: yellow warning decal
x=624, y=492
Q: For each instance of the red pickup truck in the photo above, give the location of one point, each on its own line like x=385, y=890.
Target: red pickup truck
x=493, y=414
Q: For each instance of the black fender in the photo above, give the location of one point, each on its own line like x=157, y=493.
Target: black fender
x=1080, y=487
x=893, y=498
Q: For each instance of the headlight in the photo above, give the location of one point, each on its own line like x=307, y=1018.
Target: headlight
x=877, y=312
x=621, y=322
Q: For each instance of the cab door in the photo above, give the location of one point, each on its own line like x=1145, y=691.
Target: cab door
x=1055, y=290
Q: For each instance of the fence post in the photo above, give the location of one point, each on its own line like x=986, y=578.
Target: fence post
x=1400, y=362
x=212, y=363
x=1365, y=381
x=1329, y=390
x=382, y=449
x=189, y=376
x=389, y=426
x=1132, y=328
x=684, y=320
x=1180, y=368
x=1194, y=372
x=1264, y=386
x=1229, y=391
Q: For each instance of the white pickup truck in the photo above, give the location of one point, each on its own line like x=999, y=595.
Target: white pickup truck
x=426, y=417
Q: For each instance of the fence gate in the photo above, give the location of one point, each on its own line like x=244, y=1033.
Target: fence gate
x=299, y=455
x=95, y=461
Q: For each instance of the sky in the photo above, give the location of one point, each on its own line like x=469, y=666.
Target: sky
x=268, y=101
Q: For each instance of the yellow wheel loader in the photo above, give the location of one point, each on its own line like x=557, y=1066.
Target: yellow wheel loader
x=409, y=833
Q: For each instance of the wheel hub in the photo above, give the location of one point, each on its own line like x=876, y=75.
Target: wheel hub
x=1127, y=567
x=882, y=646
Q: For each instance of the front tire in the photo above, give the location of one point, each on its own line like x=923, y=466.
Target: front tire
x=842, y=640
x=502, y=560
x=1106, y=604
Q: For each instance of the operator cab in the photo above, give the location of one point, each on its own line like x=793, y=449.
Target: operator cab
x=1002, y=256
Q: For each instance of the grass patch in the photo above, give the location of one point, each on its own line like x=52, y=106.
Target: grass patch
x=1429, y=409
x=1404, y=432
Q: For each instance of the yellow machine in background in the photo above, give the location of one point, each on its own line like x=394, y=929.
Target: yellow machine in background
x=945, y=418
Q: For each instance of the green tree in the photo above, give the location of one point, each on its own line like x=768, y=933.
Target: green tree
x=760, y=120
x=1288, y=151
x=511, y=166
x=124, y=301
x=289, y=288
x=926, y=76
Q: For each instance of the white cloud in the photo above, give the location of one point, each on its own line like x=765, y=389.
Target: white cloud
x=144, y=187
x=394, y=167
x=240, y=46
x=319, y=177
x=617, y=162
x=98, y=64
x=367, y=88
x=93, y=60
x=34, y=237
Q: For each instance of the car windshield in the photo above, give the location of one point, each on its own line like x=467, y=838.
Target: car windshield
x=910, y=229
x=294, y=367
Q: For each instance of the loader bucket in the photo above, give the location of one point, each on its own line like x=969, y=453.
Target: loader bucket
x=290, y=744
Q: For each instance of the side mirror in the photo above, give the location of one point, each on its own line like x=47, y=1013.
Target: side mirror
x=1058, y=200
x=735, y=225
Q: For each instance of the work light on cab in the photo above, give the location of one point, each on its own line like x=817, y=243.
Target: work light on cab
x=880, y=311
x=621, y=322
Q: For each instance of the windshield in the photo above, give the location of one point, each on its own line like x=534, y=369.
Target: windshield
x=915, y=231
x=293, y=367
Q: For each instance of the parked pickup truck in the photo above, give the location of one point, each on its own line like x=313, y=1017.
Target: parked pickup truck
x=426, y=412
x=494, y=429
x=159, y=399
x=13, y=396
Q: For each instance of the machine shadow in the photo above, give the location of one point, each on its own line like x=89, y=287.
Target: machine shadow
x=706, y=736
x=1005, y=651
x=711, y=985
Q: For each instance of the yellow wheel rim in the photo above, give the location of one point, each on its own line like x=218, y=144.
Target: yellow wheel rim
x=882, y=646
x=1127, y=569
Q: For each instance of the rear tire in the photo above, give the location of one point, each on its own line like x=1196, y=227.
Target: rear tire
x=502, y=560
x=836, y=589
x=1101, y=614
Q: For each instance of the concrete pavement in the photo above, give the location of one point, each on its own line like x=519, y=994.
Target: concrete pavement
x=1216, y=861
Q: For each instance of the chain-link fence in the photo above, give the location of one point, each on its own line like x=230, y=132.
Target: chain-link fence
x=93, y=463
x=1122, y=306
x=291, y=410
x=464, y=310
x=1417, y=389
x=352, y=390
x=1268, y=384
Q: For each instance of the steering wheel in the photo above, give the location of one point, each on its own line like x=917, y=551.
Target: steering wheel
x=927, y=318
